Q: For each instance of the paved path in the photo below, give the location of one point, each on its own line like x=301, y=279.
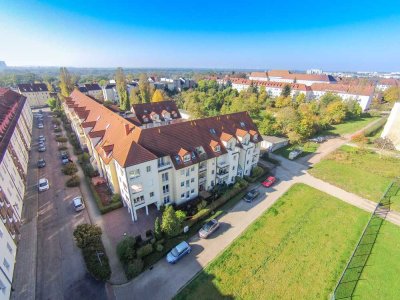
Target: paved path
x=164, y=280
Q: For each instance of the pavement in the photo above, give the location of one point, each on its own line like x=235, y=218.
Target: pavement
x=49, y=265
x=163, y=281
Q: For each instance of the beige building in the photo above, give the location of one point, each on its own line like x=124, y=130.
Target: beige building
x=37, y=94
x=170, y=163
x=392, y=126
x=15, y=141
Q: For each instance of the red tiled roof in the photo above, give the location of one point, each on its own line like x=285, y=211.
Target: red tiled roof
x=226, y=137
x=270, y=84
x=144, y=109
x=389, y=81
x=285, y=74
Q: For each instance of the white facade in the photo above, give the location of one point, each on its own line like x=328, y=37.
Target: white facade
x=392, y=126
x=110, y=94
x=363, y=100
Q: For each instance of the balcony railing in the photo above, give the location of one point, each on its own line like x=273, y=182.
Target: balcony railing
x=202, y=179
x=164, y=165
x=202, y=169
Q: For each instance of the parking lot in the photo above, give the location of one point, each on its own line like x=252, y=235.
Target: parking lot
x=61, y=272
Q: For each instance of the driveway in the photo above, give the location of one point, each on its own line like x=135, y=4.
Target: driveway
x=60, y=269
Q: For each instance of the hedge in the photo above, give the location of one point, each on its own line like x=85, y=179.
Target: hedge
x=134, y=268
x=144, y=251
x=259, y=173
x=103, y=209
x=73, y=181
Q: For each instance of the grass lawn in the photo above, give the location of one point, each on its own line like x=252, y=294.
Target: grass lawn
x=379, y=279
x=307, y=148
x=361, y=172
x=296, y=250
x=350, y=126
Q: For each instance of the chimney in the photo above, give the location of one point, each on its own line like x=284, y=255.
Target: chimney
x=127, y=129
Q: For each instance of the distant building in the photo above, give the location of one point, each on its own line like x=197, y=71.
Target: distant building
x=94, y=90
x=153, y=114
x=392, y=126
x=110, y=93
x=314, y=71
x=37, y=94
x=385, y=83
x=15, y=141
x=289, y=77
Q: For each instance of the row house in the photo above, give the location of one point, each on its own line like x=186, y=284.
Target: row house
x=160, y=165
x=363, y=94
x=289, y=77
x=110, y=93
x=274, y=89
x=37, y=94
x=15, y=141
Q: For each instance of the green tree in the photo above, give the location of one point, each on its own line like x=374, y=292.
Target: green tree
x=87, y=235
x=52, y=103
x=121, y=89
x=328, y=98
x=144, y=88
x=286, y=91
x=392, y=94
x=335, y=112
x=66, y=82
x=126, y=250
x=157, y=228
x=171, y=224
x=134, y=97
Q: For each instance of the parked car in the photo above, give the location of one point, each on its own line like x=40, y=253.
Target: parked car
x=269, y=181
x=78, y=203
x=41, y=138
x=43, y=184
x=41, y=144
x=64, y=158
x=42, y=148
x=318, y=139
x=251, y=195
x=41, y=163
x=293, y=154
x=208, y=228
x=178, y=252
x=40, y=126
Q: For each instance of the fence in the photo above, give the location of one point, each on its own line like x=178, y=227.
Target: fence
x=348, y=281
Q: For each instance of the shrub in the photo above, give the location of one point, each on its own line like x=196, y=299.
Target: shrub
x=89, y=170
x=61, y=148
x=56, y=122
x=126, y=250
x=257, y=171
x=171, y=224
x=85, y=235
x=134, y=268
x=149, y=233
x=201, y=205
x=157, y=228
x=116, y=198
x=159, y=247
x=84, y=158
x=57, y=130
x=73, y=181
x=78, y=151
x=144, y=250
x=100, y=271
x=69, y=169
x=61, y=139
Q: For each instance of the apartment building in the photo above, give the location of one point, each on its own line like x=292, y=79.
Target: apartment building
x=37, y=94
x=274, y=89
x=160, y=165
x=289, y=77
x=15, y=140
x=110, y=93
x=363, y=94
x=92, y=90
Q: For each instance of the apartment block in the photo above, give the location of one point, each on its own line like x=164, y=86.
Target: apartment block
x=15, y=141
x=36, y=93
x=164, y=164
x=110, y=93
x=92, y=90
x=289, y=77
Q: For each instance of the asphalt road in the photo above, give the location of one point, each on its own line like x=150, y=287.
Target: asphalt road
x=61, y=272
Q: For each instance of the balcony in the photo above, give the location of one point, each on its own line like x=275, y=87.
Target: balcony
x=136, y=188
x=202, y=179
x=222, y=164
x=202, y=168
x=164, y=165
x=222, y=174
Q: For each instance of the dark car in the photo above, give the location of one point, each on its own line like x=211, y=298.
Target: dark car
x=41, y=163
x=251, y=195
x=42, y=149
x=41, y=138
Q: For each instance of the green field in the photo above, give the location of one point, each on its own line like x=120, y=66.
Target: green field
x=296, y=250
x=379, y=279
x=358, y=171
x=349, y=126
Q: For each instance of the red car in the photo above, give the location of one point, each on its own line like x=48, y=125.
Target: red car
x=269, y=181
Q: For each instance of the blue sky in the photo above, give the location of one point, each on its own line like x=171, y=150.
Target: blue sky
x=332, y=35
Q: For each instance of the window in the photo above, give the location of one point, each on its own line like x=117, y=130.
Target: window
x=9, y=248
x=247, y=162
x=256, y=137
x=212, y=182
x=182, y=195
x=151, y=194
x=233, y=168
x=2, y=287
x=148, y=169
x=212, y=172
x=164, y=177
x=192, y=191
x=6, y=264
x=192, y=169
x=182, y=172
x=187, y=183
x=182, y=183
x=187, y=172
x=134, y=174
x=212, y=131
x=192, y=180
x=186, y=158
x=138, y=200
x=217, y=148
x=165, y=189
x=242, y=124
x=187, y=194
x=166, y=199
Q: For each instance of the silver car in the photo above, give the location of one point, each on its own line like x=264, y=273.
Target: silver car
x=78, y=203
x=208, y=228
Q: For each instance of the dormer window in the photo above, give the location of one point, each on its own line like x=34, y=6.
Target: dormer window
x=186, y=158
x=217, y=148
x=242, y=124
x=145, y=119
x=256, y=137
x=212, y=131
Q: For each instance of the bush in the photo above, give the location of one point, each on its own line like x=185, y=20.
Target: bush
x=85, y=235
x=73, y=181
x=201, y=205
x=56, y=122
x=144, y=251
x=78, y=151
x=171, y=223
x=103, y=209
x=62, y=148
x=134, y=268
x=157, y=228
x=61, y=139
x=149, y=233
x=89, y=170
x=159, y=247
x=257, y=171
x=57, y=130
x=126, y=250
x=116, y=198
x=84, y=158
x=69, y=169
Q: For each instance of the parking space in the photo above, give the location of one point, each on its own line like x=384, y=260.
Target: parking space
x=61, y=272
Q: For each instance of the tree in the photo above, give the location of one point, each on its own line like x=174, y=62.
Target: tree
x=300, y=98
x=282, y=101
x=66, y=83
x=157, y=228
x=286, y=90
x=170, y=225
x=335, y=112
x=121, y=89
x=134, y=97
x=126, y=250
x=328, y=98
x=144, y=88
x=157, y=96
x=87, y=235
x=52, y=103
x=392, y=94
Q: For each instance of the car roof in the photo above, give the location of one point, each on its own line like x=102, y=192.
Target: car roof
x=78, y=200
x=41, y=180
x=182, y=246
